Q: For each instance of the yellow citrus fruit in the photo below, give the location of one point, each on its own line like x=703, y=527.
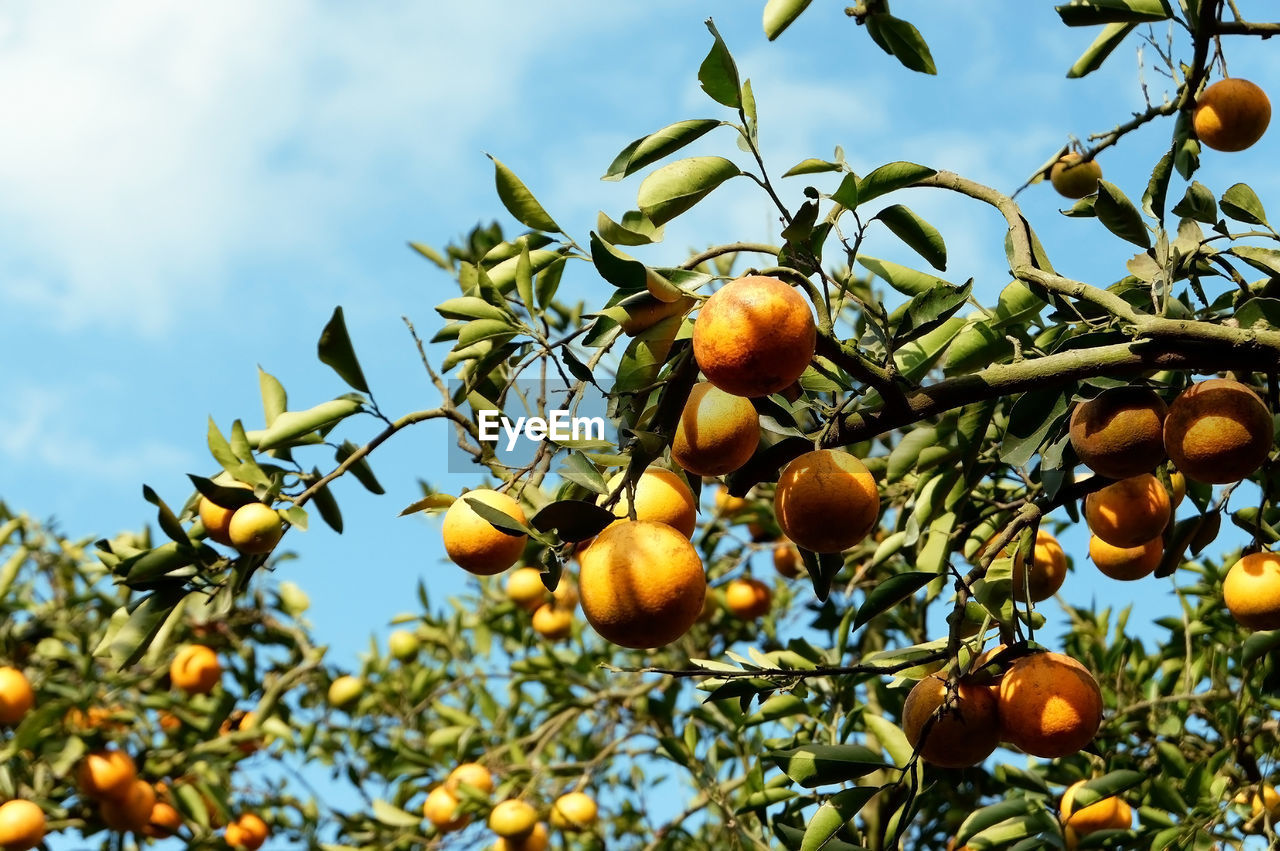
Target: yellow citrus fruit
x=1231, y=115
x=473, y=543
x=963, y=734
x=826, y=501
x=21, y=825
x=787, y=561
x=195, y=669
x=131, y=811
x=1108, y=814
x=1120, y=433
x=727, y=505
x=344, y=691
x=747, y=598
x=105, y=774
x=1050, y=705
x=717, y=432
x=472, y=774
x=16, y=696
x=574, y=811
x=1048, y=570
x=1126, y=563
x=441, y=809
x=661, y=496
x=249, y=831
x=754, y=336
x=403, y=644
x=536, y=840
x=513, y=818
x=1218, y=431
x=552, y=622
x=1130, y=512
x=255, y=528
x=1251, y=591
x=1268, y=800
x=525, y=589
x=1073, y=177
x=164, y=821
x=642, y=584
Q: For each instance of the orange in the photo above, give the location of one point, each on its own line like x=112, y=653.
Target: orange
x=472, y=774
x=441, y=809
x=344, y=691
x=195, y=669
x=21, y=825
x=105, y=774
x=1120, y=433
x=965, y=733
x=787, y=561
x=1130, y=512
x=573, y=812
x=513, y=818
x=240, y=722
x=747, y=598
x=1218, y=431
x=1074, y=178
x=537, y=840
x=1269, y=800
x=216, y=518
x=826, y=501
x=1126, y=562
x=1048, y=570
x=524, y=588
x=662, y=496
x=255, y=528
x=1231, y=115
x=165, y=821
x=131, y=811
x=249, y=831
x=552, y=622
x=754, y=336
x=717, y=432
x=1252, y=591
x=642, y=584
x=1050, y=705
x=727, y=505
x=16, y=696
x=1107, y=814
x=473, y=543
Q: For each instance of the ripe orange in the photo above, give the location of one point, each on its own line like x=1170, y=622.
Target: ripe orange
x=16, y=696
x=473, y=543
x=1130, y=512
x=661, y=496
x=717, y=432
x=1050, y=705
x=472, y=774
x=1120, y=433
x=754, y=336
x=1231, y=115
x=747, y=598
x=1251, y=591
x=1108, y=814
x=1268, y=799
x=21, y=825
x=441, y=809
x=255, y=528
x=536, y=840
x=727, y=505
x=787, y=561
x=1218, y=431
x=525, y=589
x=826, y=501
x=241, y=721
x=964, y=734
x=513, y=818
x=165, y=821
x=249, y=831
x=642, y=584
x=1074, y=178
x=131, y=811
x=105, y=774
x=1048, y=570
x=552, y=622
x=573, y=812
x=195, y=669
x=1126, y=563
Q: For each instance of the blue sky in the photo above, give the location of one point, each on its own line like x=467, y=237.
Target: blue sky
x=187, y=192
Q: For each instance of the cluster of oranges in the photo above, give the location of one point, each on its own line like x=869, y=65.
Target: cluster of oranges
x=253, y=527
x=514, y=821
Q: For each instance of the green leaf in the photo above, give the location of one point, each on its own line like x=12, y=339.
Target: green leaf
x=1198, y=203
x=890, y=177
x=1265, y=260
x=393, y=816
x=634, y=229
x=292, y=425
x=327, y=505
x=1106, y=42
x=1242, y=204
x=168, y=521
x=918, y=234
x=900, y=39
x=360, y=469
x=1259, y=310
x=519, y=201
x=674, y=188
x=578, y=469
x=1088, y=13
x=274, y=400
x=891, y=738
x=817, y=765
x=470, y=307
x=907, y=281
x=1033, y=415
x=990, y=816
x=431, y=254
x=335, y=351
x=497, y=518
x=780, y=14
x=655, y=146
x=835, y=813
x=572, y=519
x=1118, y=214
x=902, y=458
x=812, y=166
x=846, y=193
x=889, y=593
x=1153, y=199
x=619, y=269
x=126, y=643
x=719, y=73
x=484, y=329
x=927, y=311
x=1107, y=786
x=221, y=494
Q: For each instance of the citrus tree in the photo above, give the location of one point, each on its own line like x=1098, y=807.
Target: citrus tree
x=791, y=595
